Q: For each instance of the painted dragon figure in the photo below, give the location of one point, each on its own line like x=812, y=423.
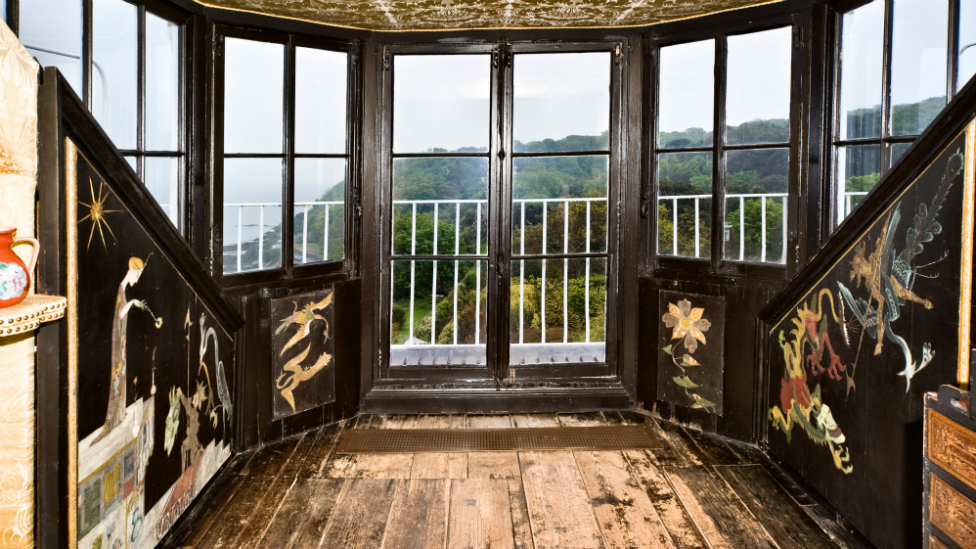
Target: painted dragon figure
x=798, y=405
x=293, y=372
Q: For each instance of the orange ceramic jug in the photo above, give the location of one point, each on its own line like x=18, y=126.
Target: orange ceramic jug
x=15, y=277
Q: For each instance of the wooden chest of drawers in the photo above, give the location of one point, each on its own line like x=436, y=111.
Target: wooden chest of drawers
x=950, y=471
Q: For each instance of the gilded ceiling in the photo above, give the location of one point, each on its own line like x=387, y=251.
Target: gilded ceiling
x=408, y=15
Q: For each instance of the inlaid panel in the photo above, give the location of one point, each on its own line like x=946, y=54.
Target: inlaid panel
x=952, y=448
x=953, y=513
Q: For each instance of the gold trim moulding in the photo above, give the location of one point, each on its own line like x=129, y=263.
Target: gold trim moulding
x=28, y=315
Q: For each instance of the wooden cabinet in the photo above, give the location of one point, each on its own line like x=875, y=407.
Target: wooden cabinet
x=950, y=471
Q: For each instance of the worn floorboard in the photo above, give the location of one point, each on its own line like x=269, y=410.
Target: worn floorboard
x=418, y=519
x=779, y=514
x=717, y=511
x=699, y=491
x=361, y=515
x=481, y=515
x=624, y=513
x=560, y=513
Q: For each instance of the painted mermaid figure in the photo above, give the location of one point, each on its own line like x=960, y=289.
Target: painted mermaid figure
x=117, y=389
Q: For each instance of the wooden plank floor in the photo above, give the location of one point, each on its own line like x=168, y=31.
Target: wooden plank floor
x=697, y=491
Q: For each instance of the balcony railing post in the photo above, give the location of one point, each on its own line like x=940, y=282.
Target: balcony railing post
x=413, y=264
x=261, y=239
x=786, y=200
x=697, y=243
x=305, y=235
x=325, y=236
x=674, y=226
x=433, y=292
x=586, y=293
x=566, y=273
x=542, y=298
x=477, y=284
x=240, y=235
x=522, y=279
x=457, y=251
x=762, y=252
x=742, y=228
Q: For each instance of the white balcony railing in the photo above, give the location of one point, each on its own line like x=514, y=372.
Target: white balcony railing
x=742, y=198
x=243, y=207
x=412, y=350
x=850, y=203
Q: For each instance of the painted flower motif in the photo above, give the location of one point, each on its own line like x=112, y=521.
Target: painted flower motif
x=687, y=323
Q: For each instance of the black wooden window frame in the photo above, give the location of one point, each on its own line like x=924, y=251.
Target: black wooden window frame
x=886, y=141
x=164, y=11
x=717, y=264
x=500, y=222
x=288, y=269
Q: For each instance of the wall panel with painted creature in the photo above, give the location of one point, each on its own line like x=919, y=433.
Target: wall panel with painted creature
x=151, y=377
x=847, y=365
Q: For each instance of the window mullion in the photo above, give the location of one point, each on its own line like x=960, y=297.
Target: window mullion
x=141, y=93
x=718, y=156
x=952, y=49
x=87, y=52
x=886, y=85
x=499, y=210
x=288, y=146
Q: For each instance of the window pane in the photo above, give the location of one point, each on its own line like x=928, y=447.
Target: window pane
x=967, y=42
x=756, y=199
x=163, y=182
x=439, y=313
x=115, y=76
x=758, y=96
x=449, y=193
x=862, y=56
x=686, y=95
x=51, y=31
x=898, y=150
x=320, y=101
x=133, y=162
x=440, y=103
x=918, y=64
x=859, y=169
x=254, y=76
x=684, y=225
x=320, y=206
x=162, y=84
x=252, y=214
x=558, y=311
x=559, y=205
x=562, y=102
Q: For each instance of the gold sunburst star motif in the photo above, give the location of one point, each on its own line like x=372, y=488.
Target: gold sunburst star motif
x=97, y=213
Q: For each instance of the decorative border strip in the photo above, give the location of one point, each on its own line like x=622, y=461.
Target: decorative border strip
x=966, y=268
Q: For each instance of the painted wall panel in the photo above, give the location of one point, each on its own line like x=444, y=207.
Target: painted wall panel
x=849, y=364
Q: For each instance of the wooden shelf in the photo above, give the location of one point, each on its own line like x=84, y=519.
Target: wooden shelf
x=30, y=313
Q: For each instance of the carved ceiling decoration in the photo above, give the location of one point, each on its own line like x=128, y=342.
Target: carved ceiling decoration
x=440, y=15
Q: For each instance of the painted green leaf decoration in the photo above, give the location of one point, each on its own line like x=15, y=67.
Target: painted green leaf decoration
x=702, y=403
x=213, y=418
x=688, y=360
x=683, y=381
x=668, y=349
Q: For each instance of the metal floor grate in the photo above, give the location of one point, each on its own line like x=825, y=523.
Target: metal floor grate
x=389, y=441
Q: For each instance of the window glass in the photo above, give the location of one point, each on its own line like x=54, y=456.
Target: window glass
x=858, y=170
x=441, y=103
x=898, y=150
x=559, y=205
x=449, y=193
x=54, y=41
x=561, y=102
x=967, y=42
x=319, y=214
x=686, y=95
x=918, y=64
x=162, y=84
x=756, y=201
x=252, y=214
x=320, y=101
x=253, y=96
x=758, y=89
x=860, y=80
x=684, y=226
x=163, y=182
x=115, y=79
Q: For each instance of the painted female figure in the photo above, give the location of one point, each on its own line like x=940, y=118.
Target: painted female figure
x=117, y=388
